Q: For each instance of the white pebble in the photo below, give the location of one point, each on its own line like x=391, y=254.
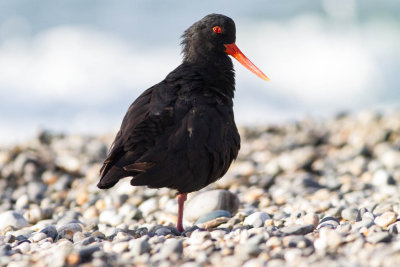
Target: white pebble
x=256, y=219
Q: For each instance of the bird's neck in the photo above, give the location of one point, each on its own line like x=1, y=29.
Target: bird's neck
x=217, y=71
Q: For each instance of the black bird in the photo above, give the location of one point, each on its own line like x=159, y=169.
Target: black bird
x=181, y=132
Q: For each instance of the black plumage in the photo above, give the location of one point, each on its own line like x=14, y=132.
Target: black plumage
x=181, y=132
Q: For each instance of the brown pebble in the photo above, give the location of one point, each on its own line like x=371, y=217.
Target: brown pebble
x=269, y=222
x=73, y=258
x=100, y=204
x=311, y=218
x=81, y=198
x=385, y=219
x=253, y=194
x=213, y=223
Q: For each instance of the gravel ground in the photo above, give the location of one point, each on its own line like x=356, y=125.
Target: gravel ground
x=307, y=193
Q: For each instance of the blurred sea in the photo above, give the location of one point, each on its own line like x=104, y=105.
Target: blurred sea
x=76, y=65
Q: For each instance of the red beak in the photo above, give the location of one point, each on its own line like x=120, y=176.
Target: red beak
x=234, y=51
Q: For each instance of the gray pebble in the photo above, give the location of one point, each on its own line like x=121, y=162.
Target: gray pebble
x=298, y=229
x=349, y=214
x=361, y=213
x=68, y=231
x=50, y=231
x=22, y=202
x=256, y=219
x=6, y=250
x=163, y=231
x=24, y=247
x=192, y=264
x=250, y=249
x=63, y=182
x=9, y=239
x=379, y=237
x=296, y=241
x=12, y=218
x=120, y=247
x=139, y=246
x=87, y=252
x=148, y=206
x=213, y=215
x=330, y=222
x=27, y=232
x=208, y=201
x=78, y=236
x=88, y=240
x=36, y=190
x=382, y=178
x=172, y=246
x=98, y=234
x=110, y=217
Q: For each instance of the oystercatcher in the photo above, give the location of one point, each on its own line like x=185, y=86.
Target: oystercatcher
x=181, y=132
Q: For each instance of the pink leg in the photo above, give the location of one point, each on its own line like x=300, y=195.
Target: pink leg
x=181, y=201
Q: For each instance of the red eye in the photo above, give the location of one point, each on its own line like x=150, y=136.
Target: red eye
x=217, y=29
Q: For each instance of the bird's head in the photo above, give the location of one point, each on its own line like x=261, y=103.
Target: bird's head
x=212, y=39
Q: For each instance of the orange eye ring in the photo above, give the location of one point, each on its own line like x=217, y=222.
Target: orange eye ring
x=217, y=29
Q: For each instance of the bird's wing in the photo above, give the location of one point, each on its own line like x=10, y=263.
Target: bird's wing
x=144, y=121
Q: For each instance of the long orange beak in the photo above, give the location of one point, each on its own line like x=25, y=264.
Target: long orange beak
x=234, y=51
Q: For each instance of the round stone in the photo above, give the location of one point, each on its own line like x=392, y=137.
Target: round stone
x=12, y=218
x=385, y=219
x=256, y=219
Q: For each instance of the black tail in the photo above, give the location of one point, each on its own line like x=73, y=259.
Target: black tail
x=111, y=176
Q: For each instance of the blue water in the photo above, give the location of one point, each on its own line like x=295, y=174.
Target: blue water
x=76, y=65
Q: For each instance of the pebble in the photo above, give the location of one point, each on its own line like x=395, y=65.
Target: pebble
x=360, y=214
x=85, y=254
x=298, y=229
x=12, y=218
x=36, y=190
x=163, y=231
x=78, y=236
x=382, y=178
x=328, y=240
x=22, y=202
x=67, y=231
x=110, y=217
x=256, y=219
x=38, y=237
x=170, y=247
x=349, y=214
x=213, y=215
x=311, y=218
x=385, y=219
x=120, y=247
x=379, y=237
x=296, y=241
x=149, y=206
x=329, y=222
x=24, y=247
x=9, y=239
x=50, y=231
x=249, y=249
x=139, y=246
x=208, y=201
x=265, y=212
x=214, y=223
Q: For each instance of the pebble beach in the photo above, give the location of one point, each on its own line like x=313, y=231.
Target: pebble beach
x=306, y=193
